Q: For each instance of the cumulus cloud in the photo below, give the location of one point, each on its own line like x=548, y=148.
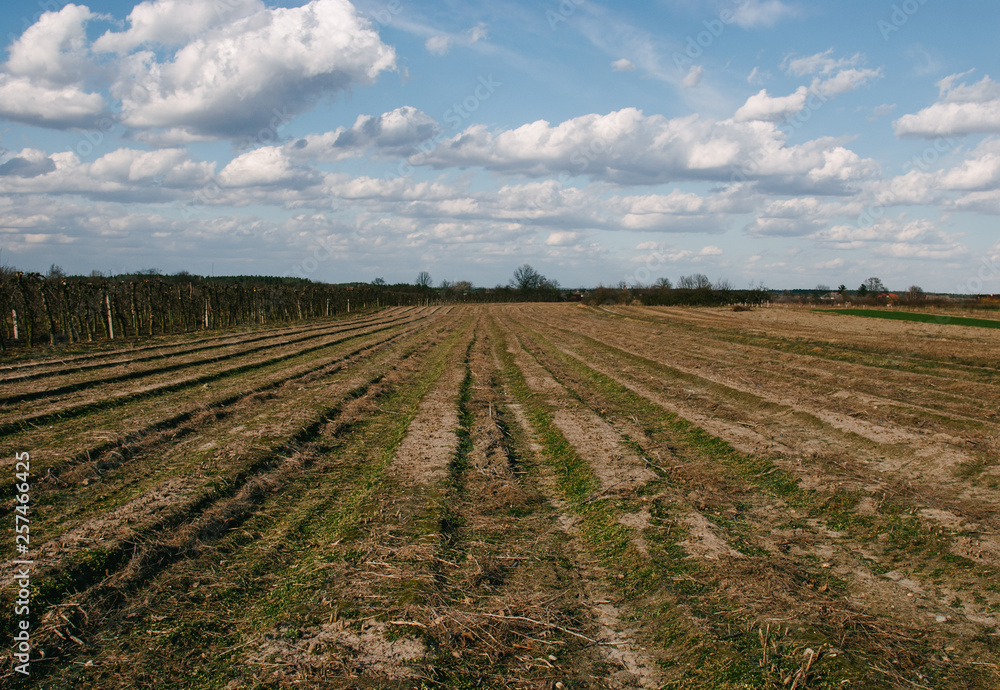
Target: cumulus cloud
x=264, y=166
x=680, y=211
x=562, y=238
x=44, y=80
x=232, y=81
x=174, y=22
x=979, y=172
x=762, y=106
x=960, y=109
x=622, y=65
x=397, y=133
x=628, y=147
x=28, y=163
x=792, y=217
x=897, y=237
x=124, y=175
x=662, y=252
x=832, y=77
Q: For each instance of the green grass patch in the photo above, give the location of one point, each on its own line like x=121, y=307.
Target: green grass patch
x=919, y=317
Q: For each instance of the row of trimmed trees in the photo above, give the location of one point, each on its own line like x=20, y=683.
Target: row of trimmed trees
x=38, y=309
x=695, y=290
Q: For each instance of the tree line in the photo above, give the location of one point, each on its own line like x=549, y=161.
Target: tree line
x=694, y=290
x=55, y=308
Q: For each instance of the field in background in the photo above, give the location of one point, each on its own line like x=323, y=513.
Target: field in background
x=526, y=495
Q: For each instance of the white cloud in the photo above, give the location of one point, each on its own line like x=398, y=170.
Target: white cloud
x=395, y=134
x=844, y=81
x=693, y=77
x=762, y=106
x=628, y=147
x=438, y=45
x=961, y=109
x=896, y=237
x=174, y=22
x=61, y=107
x=124, y=175
x=44, y=80
x=792, y=217
x=269, y=166
x=561, y=239
x=234, y=80
x=622, y=65
x=979, y=172
x=679, y=211
x=167, y=167
x=834, y=77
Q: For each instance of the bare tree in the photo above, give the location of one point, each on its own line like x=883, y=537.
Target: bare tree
x=875, y=286
x=424, y=279
x=915, y=295
x=696, y=281
x=527, y=279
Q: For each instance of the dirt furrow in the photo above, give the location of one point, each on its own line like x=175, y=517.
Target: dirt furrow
x=74, y=399
x=124, y=440
x=755, y=530
x=755, y=420
x=180, y=519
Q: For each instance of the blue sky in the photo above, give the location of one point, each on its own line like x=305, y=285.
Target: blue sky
x=787, y=143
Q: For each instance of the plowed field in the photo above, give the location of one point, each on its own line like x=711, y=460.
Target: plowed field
x=530, y=496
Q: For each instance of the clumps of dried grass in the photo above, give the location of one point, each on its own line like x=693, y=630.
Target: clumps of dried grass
x=509, y=625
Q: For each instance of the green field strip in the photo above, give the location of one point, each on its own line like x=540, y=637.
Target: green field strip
x=915, y=316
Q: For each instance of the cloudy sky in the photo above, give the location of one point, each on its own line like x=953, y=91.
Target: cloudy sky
x=782, y=142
